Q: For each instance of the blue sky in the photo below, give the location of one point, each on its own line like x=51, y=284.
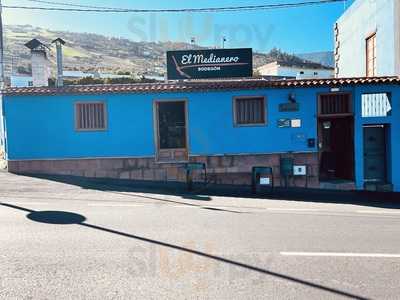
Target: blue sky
x=298, y=30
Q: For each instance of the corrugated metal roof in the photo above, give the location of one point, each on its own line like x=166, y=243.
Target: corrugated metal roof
x=200, y=85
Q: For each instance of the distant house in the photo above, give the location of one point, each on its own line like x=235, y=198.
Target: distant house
x=155, y=77
x=109, y=75
x=304, y=70
x=74, y=75
x=367, y=39
x=21, y=80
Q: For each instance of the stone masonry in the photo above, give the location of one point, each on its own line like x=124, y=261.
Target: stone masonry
x=226, y=169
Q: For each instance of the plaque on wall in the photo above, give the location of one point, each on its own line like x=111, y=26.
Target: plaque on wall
x=286, y=107
x=283, y=123
x=296, y=123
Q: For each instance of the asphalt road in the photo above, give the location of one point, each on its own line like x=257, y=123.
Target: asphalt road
x=113, y=243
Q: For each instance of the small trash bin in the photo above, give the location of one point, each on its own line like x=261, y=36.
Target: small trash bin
x=262, y=178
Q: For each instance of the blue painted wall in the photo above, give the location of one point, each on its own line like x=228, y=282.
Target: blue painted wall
x=42, y=127
x=212, y=130
x=393, y=120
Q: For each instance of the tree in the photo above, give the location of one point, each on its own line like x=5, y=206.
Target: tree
x=89, y=80
x=123, y=73
x=23, y=70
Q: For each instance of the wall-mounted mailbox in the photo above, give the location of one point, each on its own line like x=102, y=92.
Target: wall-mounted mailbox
x=311, y=143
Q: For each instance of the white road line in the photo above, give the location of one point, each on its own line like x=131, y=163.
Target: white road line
x=114, y=205
x=341, y=254
x=25, y=203
x=183, y=206
x=293, y=209
x=377, y=212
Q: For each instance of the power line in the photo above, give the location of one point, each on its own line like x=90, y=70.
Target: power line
x=180, y=10
x=74, y=5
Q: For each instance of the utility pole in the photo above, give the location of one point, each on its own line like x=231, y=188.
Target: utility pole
x=223, y=42
x=1, y=48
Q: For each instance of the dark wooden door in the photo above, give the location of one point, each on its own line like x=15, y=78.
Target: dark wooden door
x=336, y=143
x=171, y=131
x=374, y=154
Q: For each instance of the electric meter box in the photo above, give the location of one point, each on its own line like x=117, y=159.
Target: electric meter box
x=262, y=177
x=299, y=170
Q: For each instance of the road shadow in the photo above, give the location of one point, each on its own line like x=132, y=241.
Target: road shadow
x=205, y=193
x=56, y=217
x=49, y=217
x=60, y=217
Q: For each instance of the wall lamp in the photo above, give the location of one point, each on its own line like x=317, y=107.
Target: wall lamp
x=292, y=98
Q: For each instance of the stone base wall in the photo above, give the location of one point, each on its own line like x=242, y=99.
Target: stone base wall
x=226, y=169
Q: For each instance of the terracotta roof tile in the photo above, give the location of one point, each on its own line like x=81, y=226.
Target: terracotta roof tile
x=200, y=85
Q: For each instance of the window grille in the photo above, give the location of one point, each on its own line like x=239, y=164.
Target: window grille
x=90, y=116
x=249, y=110
x=335, y=104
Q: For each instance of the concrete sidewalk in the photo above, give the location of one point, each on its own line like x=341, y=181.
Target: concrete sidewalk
x=374, y=199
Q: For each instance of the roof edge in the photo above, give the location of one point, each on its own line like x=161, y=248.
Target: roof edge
x=197, y=85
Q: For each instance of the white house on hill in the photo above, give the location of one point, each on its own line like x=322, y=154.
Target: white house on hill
x=295, y=70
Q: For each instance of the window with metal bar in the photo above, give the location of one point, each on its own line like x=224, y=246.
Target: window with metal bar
x=335, y=104
x=90, y=116
x=249, y=111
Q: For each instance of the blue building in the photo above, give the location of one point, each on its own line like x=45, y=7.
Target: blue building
x=346, y=131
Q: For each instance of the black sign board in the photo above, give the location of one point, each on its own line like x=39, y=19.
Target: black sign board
x=213, y=63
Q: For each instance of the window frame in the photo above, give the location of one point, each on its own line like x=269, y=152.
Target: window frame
x=370, y=37
x=265, y=111
x=90, y=129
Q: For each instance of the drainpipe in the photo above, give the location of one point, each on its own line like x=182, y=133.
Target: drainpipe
x=59, y=42
x=1, y=48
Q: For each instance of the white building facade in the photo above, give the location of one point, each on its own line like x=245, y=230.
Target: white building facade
x=367, y=39
x=21, y=81
x=280, y=69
